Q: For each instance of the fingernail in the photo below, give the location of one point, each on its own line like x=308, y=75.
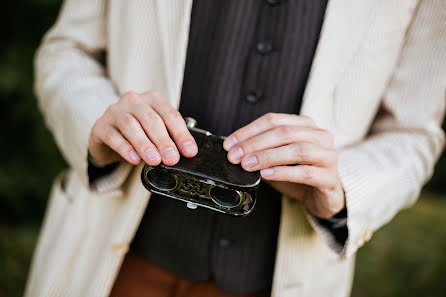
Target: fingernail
x=169, y=153
x=249, y=161
x=190, y=147
x=229, y=143
x=134, y=156
x=152, y=155
x=267, y=172
x=235, y=154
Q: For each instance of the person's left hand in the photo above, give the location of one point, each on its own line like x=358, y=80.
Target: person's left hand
x=296, y=157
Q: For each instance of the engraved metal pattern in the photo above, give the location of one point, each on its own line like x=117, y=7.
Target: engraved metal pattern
x=193, y=187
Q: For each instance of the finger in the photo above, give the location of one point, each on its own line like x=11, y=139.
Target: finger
x=265, y=123
x=177, y=128
x=133, y=132
x=291, y=154
x=275, y=137
x=114, y=139
x=155, y=129
x=302, y=174
x=140, y=108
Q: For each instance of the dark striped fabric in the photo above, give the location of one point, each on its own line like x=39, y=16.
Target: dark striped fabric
x=244, y=59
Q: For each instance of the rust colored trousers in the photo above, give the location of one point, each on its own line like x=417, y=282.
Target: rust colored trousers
x=141, y=278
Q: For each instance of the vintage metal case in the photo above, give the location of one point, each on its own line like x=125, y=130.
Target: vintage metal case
x=207, y=180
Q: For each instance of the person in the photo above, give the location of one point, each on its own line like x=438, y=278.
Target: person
x=338, y=104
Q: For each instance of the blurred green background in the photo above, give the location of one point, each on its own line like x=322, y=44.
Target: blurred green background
x=405, y=258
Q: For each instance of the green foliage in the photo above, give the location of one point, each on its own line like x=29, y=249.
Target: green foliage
x=406, y=257
x=29, y=159
x=16, y=247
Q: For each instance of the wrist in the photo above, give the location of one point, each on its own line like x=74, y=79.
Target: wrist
x=93, y=162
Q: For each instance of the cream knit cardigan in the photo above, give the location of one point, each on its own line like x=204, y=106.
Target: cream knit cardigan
x=377, y=83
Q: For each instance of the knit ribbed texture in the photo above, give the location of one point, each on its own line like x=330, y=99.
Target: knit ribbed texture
x=386, y=55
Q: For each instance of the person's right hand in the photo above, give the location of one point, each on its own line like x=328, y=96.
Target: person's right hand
x=141, y=126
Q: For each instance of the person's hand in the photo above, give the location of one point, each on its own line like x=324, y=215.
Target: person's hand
x=294, y=156
x=141, y=126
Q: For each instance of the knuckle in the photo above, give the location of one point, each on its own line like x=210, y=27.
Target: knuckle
x=131, y=97
x=301, y=150
x=165, y=143
x=183, y=138
x=330, y=185
x=308, y=172
x=265, y=159
x=127, y=120
x=150, y=117
x=249, y=147
x=107, y=118
x=112, y=109
x=141, y=146
x=288, y=132
x=153, y=94
x=144, y=147
x=281, y=174
x=123, y=148
x=271, y=118
x=237, y=135
x=109, y=137
x=173, y=114
x=308, y=119
x=99, y=122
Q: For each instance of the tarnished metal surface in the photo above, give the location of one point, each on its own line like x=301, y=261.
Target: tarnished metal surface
x=210, y=168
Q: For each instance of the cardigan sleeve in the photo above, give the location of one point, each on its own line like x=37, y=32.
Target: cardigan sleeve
x=72, y=86
x=385, y=173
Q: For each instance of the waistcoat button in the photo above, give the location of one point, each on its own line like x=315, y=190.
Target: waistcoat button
x=273, y=2
x=253, y=97
x=264, y=48
x=224, y=242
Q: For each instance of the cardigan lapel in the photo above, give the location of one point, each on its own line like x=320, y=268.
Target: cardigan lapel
x=346, y=22
x=173, y=24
